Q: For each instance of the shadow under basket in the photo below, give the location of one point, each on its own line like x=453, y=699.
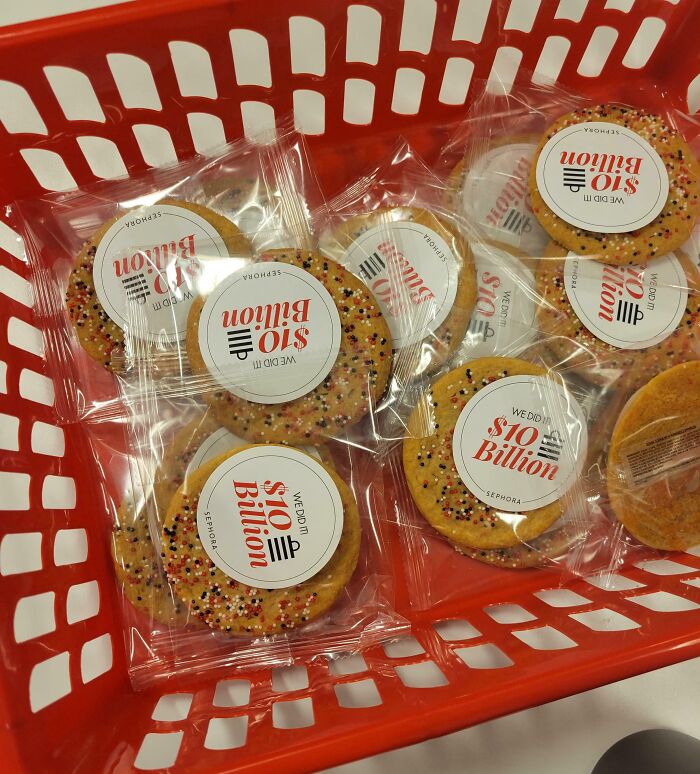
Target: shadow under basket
x=98, y=93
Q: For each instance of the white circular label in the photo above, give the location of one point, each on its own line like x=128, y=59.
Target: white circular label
x=602, y=177
x=495, y=194
x=503, y=320
x=270, y=517
x=413, y=274
x=222, y=441
x=520, y=442
x=630, y=307
x=269, y=333
x=150, y=257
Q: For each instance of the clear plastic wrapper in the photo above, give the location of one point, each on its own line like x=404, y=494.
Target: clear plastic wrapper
x=506, y=470
x=488, y=160
x=283, y=561
x=285, y=347
x=653, y=466
x=392, y=229
x=627, y=322
x=609, y=311
x=616, y=181
x=284, y=357
x=85, y=277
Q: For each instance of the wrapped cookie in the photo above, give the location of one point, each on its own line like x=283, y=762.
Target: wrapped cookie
x=487, y=161
x=617, y=183
x=653, y=467
x=87, y=276
x=240, y=553
x=464, y=484
x=108, y=276
x=286, y=347
x=137, y=542
x=392, y=230
x=502, y=468
x=618, y=324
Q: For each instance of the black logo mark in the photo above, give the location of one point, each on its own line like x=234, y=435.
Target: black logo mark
x=517, y=222
x=136, y=288
x=481, y=328
x=240, y=342
x=551, y=446
x=371, y=267
x=281, y=548
x=629, y=312
x=574, y=178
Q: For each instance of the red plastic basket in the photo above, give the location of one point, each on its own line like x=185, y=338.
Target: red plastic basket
x=92, y=94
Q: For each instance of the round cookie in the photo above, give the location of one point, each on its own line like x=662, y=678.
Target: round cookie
x=551, y=544
x=660, y=507
x=669, y=230
x=503, y=208
x=430, y=353
x=136, y=562
x=177, y=457
x=574, y=345
x=226, y=604
x=138, y=569
x=357, y=380
x=98, y=334
x=432, y=477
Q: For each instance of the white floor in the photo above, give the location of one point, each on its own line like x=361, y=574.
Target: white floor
x=565, y=736
x=569, y=735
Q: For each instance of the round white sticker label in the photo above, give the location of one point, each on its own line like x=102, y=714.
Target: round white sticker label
x=602, y=177
x=495, y=194
x=520, y=442
x=413, y=274
x=630, y=307
x=222, y=441
x=503, y=320
x=150, y=257
x=269, y=333
x=270, y=517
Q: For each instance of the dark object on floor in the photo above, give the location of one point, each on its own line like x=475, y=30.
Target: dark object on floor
x=657, y=751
